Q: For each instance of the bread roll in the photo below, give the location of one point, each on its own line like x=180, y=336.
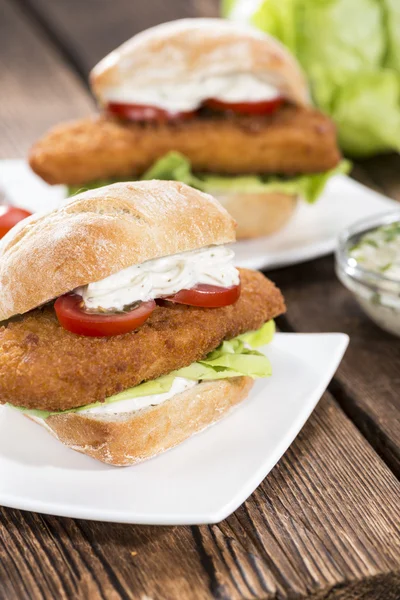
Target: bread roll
x=194, y=50
x=100, y=232
x=258, y=214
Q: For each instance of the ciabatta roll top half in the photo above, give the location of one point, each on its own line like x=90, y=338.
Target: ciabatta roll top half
x=101, y=232
x=196, y=50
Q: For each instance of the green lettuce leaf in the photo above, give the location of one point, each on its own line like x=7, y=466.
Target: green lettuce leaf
x=226, y=6
x=368, y=113
x=277, y=17
x=350, y=51
x=175, y=166
x=233, y=358
x=261, y=337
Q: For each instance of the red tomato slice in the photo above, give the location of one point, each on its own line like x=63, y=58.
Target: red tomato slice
x=73, y=317
x=137, y=112
x=246, y=108
x=10, y=216
x=207, y=296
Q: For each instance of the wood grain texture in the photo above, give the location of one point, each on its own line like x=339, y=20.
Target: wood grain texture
x=367, y=382
x=324, y=524
x=383, y=171
x=116, y=21
x=36, y=88
x=298, y=530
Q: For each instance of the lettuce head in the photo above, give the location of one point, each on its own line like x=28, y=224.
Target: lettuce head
x=350, y=50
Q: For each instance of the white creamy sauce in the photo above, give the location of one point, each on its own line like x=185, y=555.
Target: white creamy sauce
x=189, y=94
x=179, y=385
x=379, y=309
x=162, y=277
x=379, y=251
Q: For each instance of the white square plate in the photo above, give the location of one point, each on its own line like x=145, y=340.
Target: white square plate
x=201, y=481
x=311, y=233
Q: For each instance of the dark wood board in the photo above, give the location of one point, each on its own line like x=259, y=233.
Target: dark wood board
x=324, y=524
x=72, y=22
x=367, y=381
x=36, y=88
x=384, y=172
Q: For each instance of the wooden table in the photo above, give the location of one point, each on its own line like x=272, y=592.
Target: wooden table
x=325, y=523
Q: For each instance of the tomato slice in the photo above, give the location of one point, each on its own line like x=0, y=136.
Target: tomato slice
x=207, y=296
x=73, y=317
x=138, y=112
x=246, y=108
x=10, y=216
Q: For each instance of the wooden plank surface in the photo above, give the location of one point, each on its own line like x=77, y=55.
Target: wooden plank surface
x=115, y=22
x=36, y=88
x=384, y=172
x=367, y=382
x=324, y=524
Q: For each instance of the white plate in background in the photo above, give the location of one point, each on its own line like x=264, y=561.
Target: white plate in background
x=202, y=480
x=312, y=232
x=314, y=229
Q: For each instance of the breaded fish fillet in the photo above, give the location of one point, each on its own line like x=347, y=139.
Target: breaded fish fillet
x=43, y=366
x=292, y=140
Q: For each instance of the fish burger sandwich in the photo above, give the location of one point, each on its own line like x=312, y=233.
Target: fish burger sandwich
x=218, y=105
x=124, y=326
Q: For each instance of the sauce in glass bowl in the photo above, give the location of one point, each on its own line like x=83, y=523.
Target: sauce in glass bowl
x=368, y=264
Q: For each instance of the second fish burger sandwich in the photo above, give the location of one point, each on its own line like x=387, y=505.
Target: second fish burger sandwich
x=211, y=103
x=124, y=325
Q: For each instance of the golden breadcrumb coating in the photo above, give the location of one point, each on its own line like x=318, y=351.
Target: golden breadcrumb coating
x=45, y=367
x=292, y=140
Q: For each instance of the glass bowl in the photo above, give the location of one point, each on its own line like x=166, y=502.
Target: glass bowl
x=377, y=291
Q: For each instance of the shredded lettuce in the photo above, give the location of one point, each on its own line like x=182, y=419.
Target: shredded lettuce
x=233, y=358
x=173, y=166
x=350, y=50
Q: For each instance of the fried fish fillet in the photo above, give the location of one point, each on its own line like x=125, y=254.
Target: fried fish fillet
x=43, y=366
x=292, y=140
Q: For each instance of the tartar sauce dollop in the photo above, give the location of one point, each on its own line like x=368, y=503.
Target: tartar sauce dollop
x=379, y=251
x=377, y=285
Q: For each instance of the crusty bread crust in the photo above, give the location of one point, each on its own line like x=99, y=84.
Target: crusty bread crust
x=258, y=214
x=291, y=140
x=100, y=232
x=195, y=49
x=128, y=439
